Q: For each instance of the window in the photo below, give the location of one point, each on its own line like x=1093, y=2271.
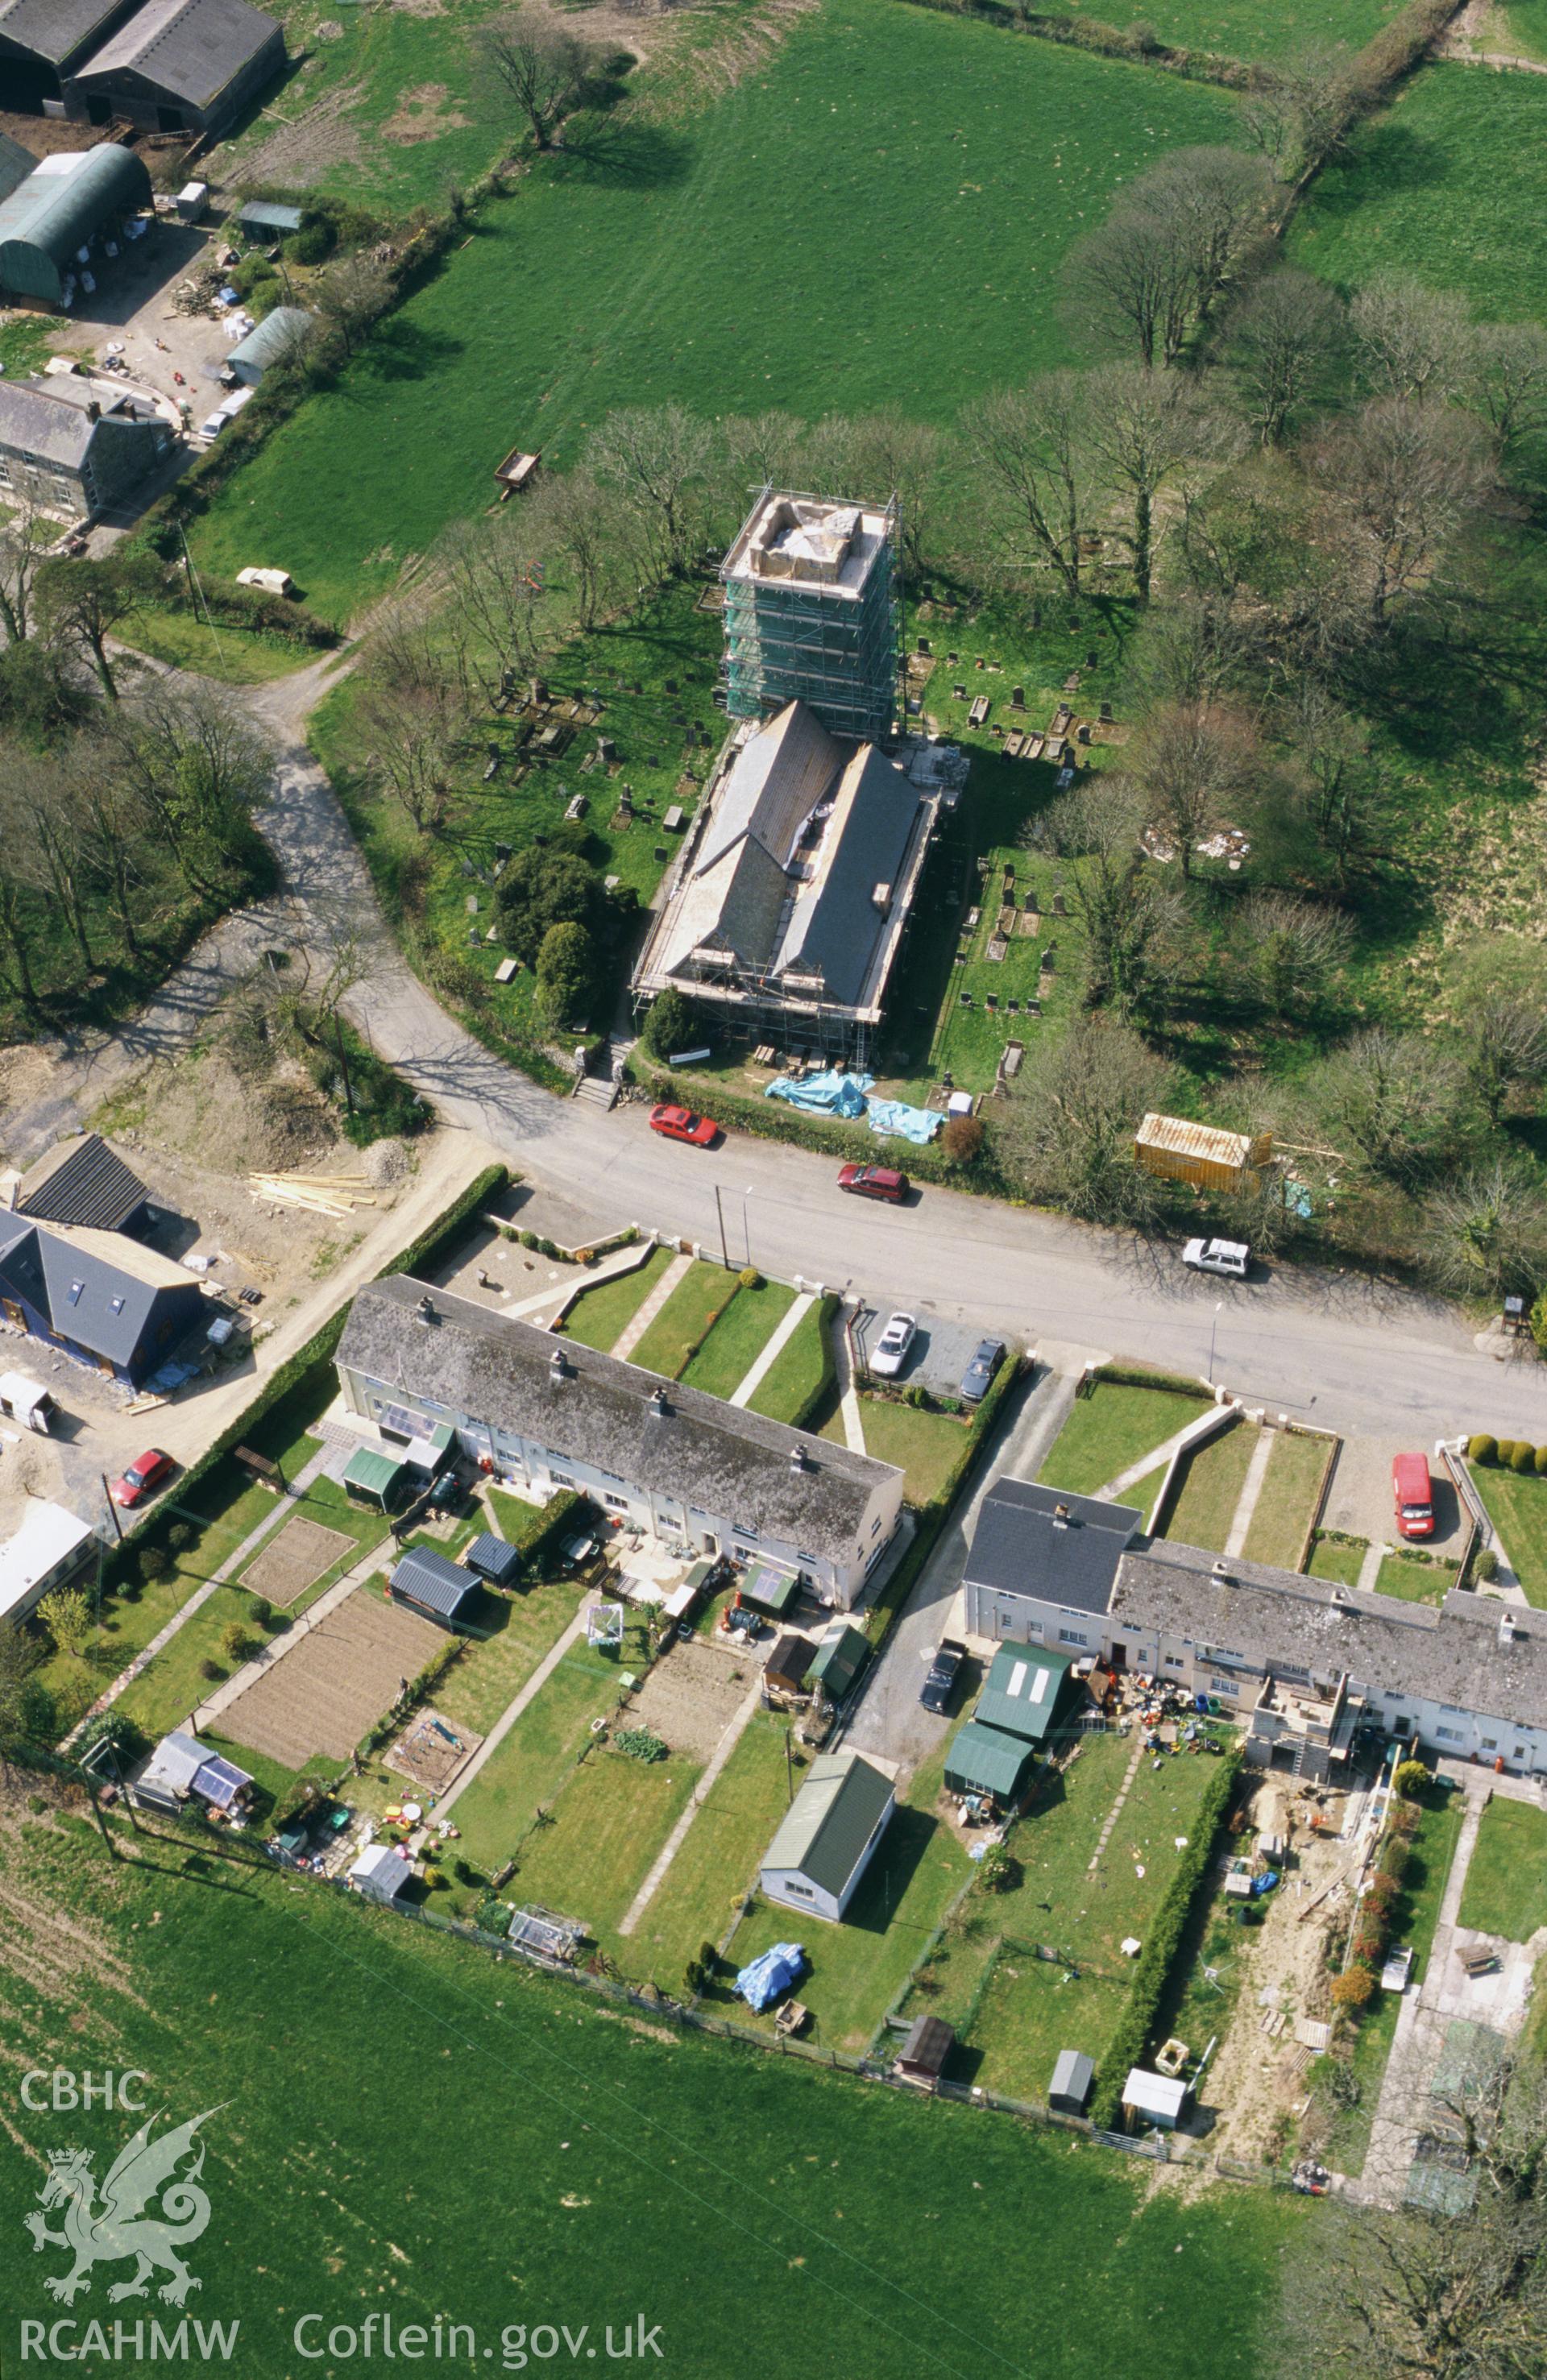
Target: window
x=1489, y=1744
x=875, y=1525
x=1449, y=1734
x=1071, y=1636
x=77, y=1287
x=1402, y=1726
x=4, y=474
x=1176, y=1661
x=1222, y=1687
x=738, y=1529
x=616, y=1504
x=560, y=1478
x=802, y=1891
x=116, y=1303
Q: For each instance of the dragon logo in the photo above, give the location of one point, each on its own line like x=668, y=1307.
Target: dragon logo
x=143, y=2171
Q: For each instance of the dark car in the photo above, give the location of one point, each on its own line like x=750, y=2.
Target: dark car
x=935, y=1693
x=875, y=1181
x=987, y=1356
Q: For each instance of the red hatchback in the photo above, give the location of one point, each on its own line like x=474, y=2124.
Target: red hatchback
x=144, y=1474
x=681, y=1124
x=875, y=1181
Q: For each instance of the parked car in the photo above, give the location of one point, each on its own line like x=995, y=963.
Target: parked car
x=875, y=1181
x=892, y=1345
x=987, y=1356
x=1230, y=1258
x=144, y=1474
x=681, y=1124
x=1413, y=1492
x=935, y=1693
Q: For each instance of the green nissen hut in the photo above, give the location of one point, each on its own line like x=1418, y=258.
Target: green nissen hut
x=829, y=1835
x=1028, y=1692
x=984, y=1760
x=59, y=210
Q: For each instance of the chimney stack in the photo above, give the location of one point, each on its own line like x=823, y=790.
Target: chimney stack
x=558, y=1368
x=1224, y=1574
x=658, y=1404
x=797, y=1458
x=1508, y=1632
x=425, y=1312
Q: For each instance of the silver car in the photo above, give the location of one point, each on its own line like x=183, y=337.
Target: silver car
x=892, y=1345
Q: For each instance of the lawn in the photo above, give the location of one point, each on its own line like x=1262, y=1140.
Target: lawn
x=605, y=1829
x=1505, y=1891
x=1415, y=1915
x=1114, y=1426
x=718, y=1858
x=236, y=655
x=790, y=1385
x=599, y=1318
x=1212, y=1480
x=697, y=1301
x=1447, y=184
x=859, y=1967
x=662, y=271
x=1517, y=1509
x=1284, y=1508
x=925, y=1446
x=1236, y=29
x=739, y=1337
x=536, y=1759
x=804, y=2199
x=495, y=1668
x=1415, y=1582
x=1337, y=1558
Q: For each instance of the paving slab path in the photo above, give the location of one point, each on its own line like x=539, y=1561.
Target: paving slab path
x=632, y=1332
x=700, y=1794
x=788, y=1325
x=1252, y=1488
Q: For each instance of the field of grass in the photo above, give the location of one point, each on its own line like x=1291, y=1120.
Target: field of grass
x=1415, y=1915
x=1447, y=184
x=236, y=655
x=796, y=1372
x=606, y=1827
x=1212, y=1480
x=600, y=1318
x=1114, y=1426
x=536, y=1759
x=924, y=1445
x=718, y=1858
x=1293, y=1477
x=860, y=1966
x=704, y=1292
x=1415, y=1582
x=739, y=1339
x=1517, y=1509
x=1505, y=1891
x=429, y=2068
x=1235, y=29
x=889, y=149
x=1333, y=1559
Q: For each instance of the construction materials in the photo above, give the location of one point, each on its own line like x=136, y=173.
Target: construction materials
x=333, y=1194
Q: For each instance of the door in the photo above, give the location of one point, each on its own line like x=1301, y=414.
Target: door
x=14, y=1312
x=99, y=110
x=1119, y=1657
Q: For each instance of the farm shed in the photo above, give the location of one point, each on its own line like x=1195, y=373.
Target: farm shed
x=277, y=338
x=43, y=41
x=1072, y=2076
x=1180, y=1151
x=267, y=218
x=1027, y=1692
x=426, y=1582
x=828, y=1836
x=985, y=1760
x=179, y=65
x=182, y=1769
x=1159, y=2099
x=492, y=1559
x=921, y=2059
x=379, y=1874
x=81, y=1180
x=59, y=210
x=373, y=1478
x=50, y=1548
x=785, y=1670
x=841, y=1654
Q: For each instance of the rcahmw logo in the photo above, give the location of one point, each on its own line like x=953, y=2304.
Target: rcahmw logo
x=148, y=2210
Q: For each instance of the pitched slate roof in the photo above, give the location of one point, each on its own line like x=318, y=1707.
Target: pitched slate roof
x=81, y=1180
x=1022, y=1546
x=1455, y=1655
x=710, y=1455
x=53, y=29
x=192, y=48
x=427, y=1578
x=49, y=423
x=96, y=1288
x=827, y=1827
x=836, y=922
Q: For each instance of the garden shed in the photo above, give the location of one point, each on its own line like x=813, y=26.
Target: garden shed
x=921, y=2059
x=378, y=1873
x=1072, y=2076
x=373, y=1478
x=1027, y=1693
x=425, y=1581
x=60, y=208
x=984, y=1760
x=785, y=1670
x=1159, y=2099
x=492, y=1559
x=841, y=1654
x=828, y=1835
x=770, y=1590
x=1180, y=1150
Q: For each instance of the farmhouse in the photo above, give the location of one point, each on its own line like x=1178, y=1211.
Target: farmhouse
x=69, y=455
x=788, y=905
x=51, y=1547
x=179, y=65
x=1041, y=1566
x=828, y=1835
x=69, y=201
x=697, y=1476
x=811, y=613
x=102, y=1298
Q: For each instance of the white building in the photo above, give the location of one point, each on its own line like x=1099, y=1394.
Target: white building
x=693, y=1473
x=51, y=1549
x=828, y=1836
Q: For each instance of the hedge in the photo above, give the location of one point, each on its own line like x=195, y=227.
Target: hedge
x=1138, y=1375
x=549, y=1523
x=1109, y=40
x=933, y=1515
x=828, y=1315
x=1131, y=2038
x=776, y=1119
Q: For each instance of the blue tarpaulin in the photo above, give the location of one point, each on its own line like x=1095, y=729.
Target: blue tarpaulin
x=769, y=1978
x=828, y=1094
x=891, y=1121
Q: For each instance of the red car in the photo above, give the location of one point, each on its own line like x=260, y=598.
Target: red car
x=875, y=1181
x=1413, y=1493
x=145, y=1473
x=681, y=1124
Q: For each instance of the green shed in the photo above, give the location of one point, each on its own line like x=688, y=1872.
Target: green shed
x=59, y=210
x=841, y=1652
x=985, y=1760
x=770, y=1590
x=373, y=1478
x=1028, y=1692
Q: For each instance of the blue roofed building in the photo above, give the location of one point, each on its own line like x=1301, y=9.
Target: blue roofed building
x=101, y=1297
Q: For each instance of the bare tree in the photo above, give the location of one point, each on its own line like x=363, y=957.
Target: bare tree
x=1290, y=950
x=494, y=590
x=1332, y=754
x=1298, y=112
x=1032, y=448
x=581, y=523
x=761, y=450
x=539, y=66
x=351, y=294
x=1506, y=380
x=115, y=821
x=1281, y=345
x=1128, y=905
x=1394, y=1103
x=1485, y=1234
x=659, y=456
x=83, y=603
x=412, y=718
x=25, y=538
x=1142, y=426
x=1193, y=763
x=897, y=457
x=1151, y=272
x=1401, y=480
x=1069, y=1130
x=1412, y=342
x=46, y=847
x=1501, y=1012
x=198, y=764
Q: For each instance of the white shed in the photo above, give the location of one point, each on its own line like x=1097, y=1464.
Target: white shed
x=51, y=1547
x=1156, y=2099
x=379, y=1874
x=828, y=1835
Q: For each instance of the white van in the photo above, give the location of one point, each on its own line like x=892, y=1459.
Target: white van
x=22, y=1399
x=227, y=410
